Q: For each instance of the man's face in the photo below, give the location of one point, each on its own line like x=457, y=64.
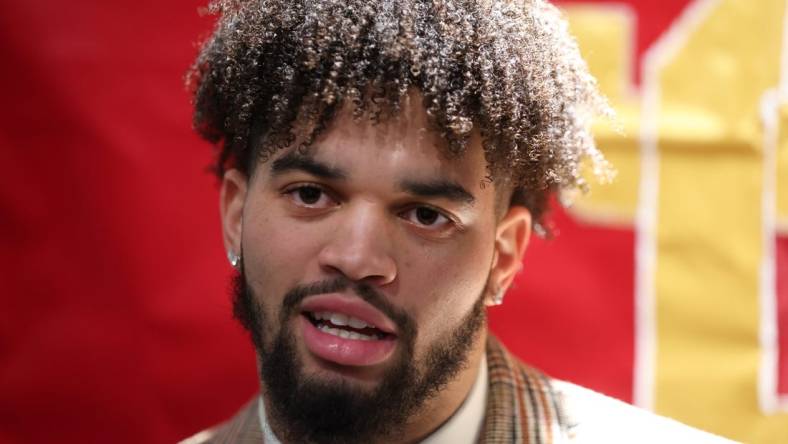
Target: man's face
x=366, y=261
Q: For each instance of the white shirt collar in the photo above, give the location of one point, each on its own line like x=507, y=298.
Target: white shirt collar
x=466, y=423
x=463, y=427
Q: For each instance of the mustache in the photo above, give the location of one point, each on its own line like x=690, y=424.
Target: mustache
x=341, y=283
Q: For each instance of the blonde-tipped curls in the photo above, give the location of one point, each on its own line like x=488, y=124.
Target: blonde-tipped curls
x=508, y=68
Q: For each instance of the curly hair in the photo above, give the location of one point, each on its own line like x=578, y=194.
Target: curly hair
x=275, y=72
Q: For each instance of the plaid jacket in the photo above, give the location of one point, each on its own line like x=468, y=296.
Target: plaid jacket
x=522, y=407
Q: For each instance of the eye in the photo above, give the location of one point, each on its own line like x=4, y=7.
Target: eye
x=310, y=196
x=426, y=217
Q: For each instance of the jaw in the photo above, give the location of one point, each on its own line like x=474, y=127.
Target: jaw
x=373, y=382
x=438, y=409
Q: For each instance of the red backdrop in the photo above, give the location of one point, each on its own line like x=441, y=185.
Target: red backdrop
x=115, y=323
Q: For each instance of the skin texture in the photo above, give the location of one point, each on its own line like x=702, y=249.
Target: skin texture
x=367, y=228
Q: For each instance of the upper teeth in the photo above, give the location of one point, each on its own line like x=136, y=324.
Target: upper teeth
x=340, y=319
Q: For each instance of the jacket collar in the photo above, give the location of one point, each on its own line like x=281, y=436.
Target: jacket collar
x=522, y=405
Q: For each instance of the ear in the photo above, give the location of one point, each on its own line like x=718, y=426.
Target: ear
x=511, y=238
x=231, y=205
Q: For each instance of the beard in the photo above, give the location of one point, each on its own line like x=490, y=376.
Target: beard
x=306, y=409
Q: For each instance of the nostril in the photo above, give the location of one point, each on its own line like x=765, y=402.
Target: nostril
x=378, y=281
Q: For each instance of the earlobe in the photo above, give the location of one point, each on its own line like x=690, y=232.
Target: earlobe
x=511, y=239
x=231, y=204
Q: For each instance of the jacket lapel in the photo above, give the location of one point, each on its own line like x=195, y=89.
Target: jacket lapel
x=243, y=428
x=522, y=406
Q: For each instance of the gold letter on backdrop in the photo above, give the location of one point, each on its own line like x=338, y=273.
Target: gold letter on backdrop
x=703, y=180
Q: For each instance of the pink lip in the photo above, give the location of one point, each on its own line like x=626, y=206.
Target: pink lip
x=350, y=352
x=350, y=306
x=342, y=351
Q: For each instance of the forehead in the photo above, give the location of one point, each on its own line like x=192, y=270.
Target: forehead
x=401, y=147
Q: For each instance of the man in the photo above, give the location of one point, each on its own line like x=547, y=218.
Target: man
x=383, y=164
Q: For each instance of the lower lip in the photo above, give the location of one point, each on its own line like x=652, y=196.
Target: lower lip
x=343, y=351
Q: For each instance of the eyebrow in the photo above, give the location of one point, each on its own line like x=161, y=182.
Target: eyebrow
x=440, y=188
x=293, y=161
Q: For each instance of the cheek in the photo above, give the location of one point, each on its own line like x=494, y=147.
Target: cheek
x=276, y=253
x=444, y=284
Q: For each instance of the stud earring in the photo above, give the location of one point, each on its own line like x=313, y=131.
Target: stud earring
x=498, y=297
x=233, y=258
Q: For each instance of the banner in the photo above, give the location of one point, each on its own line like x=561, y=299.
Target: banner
x=667, y=289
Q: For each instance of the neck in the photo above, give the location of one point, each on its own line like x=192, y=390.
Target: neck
x=439, y=409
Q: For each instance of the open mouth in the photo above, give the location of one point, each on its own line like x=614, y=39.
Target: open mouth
x=346, y=327
x=346, y=330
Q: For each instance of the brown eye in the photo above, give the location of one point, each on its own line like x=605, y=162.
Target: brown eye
x=309, y=195
x=426, y=216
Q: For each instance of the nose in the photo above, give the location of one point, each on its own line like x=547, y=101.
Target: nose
x=360, y=246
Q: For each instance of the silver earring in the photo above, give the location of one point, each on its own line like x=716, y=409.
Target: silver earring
x=233, y=258
x=498, y=297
